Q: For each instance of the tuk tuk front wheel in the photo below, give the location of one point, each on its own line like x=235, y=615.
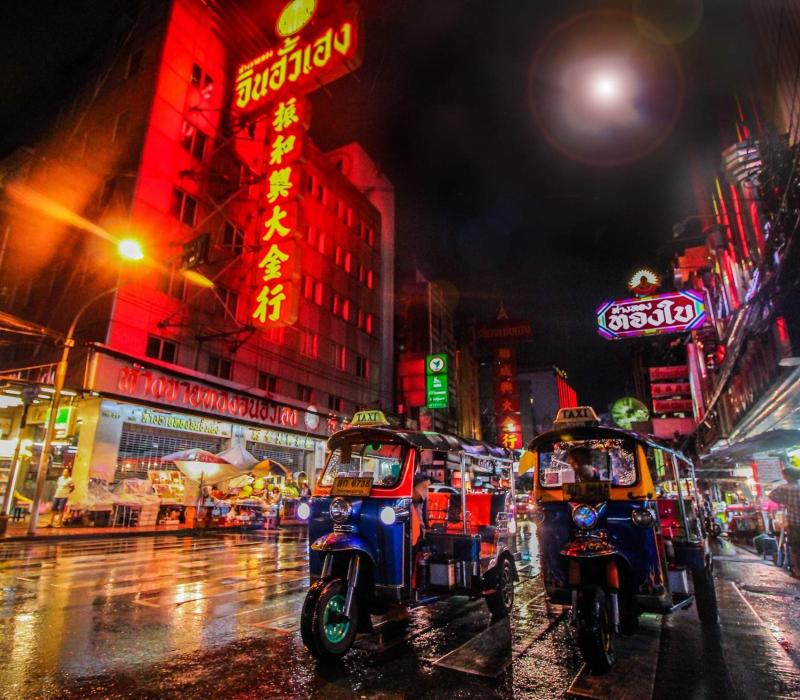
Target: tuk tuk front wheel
x=705, y=595
x=330, y=632
x=501, y=599
x=307, y=615
x=595, y=630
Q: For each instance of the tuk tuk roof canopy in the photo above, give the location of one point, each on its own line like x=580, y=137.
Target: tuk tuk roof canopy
x=441, y=442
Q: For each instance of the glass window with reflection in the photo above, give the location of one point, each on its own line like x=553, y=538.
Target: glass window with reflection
x=381, y=461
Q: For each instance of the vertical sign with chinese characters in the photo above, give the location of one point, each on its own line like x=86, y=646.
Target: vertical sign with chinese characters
x=509, y=426
x=437, y=391
x=278, y=268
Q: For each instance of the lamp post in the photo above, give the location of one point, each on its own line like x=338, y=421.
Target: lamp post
x=127, y=249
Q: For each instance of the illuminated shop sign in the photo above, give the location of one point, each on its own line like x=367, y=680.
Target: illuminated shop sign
x=644, y=282
x=114, y=376
x=278, y=268
x=673, y=312
x=314, y=53
x=506, y=396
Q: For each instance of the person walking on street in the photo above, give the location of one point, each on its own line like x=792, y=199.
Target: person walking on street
x=788, y=495
x=64, y=487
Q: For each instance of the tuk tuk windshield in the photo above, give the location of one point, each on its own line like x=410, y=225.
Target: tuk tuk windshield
x=381, y=461
x=581, y=461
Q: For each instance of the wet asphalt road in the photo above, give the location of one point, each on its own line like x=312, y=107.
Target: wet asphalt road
x=217, y=616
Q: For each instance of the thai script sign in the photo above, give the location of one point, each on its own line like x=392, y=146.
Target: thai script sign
x=437, y=392
x=314, y=56
x=112, y=376
x=673, y=312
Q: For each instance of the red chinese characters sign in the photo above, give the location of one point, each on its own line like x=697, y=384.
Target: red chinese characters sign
x=277, y=294
x=506, y=397
x=315, y=53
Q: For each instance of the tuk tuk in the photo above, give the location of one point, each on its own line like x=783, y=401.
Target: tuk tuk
x=363, y=557
x=620, y=529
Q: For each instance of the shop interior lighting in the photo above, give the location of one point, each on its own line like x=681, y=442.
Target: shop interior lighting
x=10, y=401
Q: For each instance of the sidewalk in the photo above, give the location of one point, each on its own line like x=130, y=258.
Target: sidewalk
x=18, y=532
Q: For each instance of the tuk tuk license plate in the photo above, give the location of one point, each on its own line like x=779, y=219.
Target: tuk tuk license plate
x=351, y=486
x=589, y=491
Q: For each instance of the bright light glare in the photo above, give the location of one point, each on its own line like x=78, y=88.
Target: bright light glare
x=197, y=279
x=387, y=515
x=130, y=249
x=605, y=88
x=303, y=511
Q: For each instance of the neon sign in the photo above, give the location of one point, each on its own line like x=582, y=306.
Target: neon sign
x=509, y=428
x=644, y=282
x=300, y=64
x=673, y=312
x=278, y=267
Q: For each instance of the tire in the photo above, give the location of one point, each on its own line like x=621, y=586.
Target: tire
x=705, y=596
x=307, y=615
x=501, y=600
x=330, y=634
x=595, y=630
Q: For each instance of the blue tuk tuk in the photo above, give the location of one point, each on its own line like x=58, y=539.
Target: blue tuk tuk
x=620, y=529
x=363, y=557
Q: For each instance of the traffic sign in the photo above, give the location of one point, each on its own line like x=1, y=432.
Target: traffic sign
x=437, y=394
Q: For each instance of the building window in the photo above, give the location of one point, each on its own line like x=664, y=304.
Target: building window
x=268, y=382
x=172, y=283
x=122, y=124
x=134, y=63
x=161, y=349
x=339, y=357
x=341, y=211
x=311, y=235
x=336, y=304
x=230, y=300
x=360, y=317
x=368, y=324
x=362, y=367
x=304, y=393
x=321, y=244
x=197, y=74
x=346, y=309
x=275, y=335
x=362, y=273
x=194, y=141
x=233, y=238
x=184, y=207
x=336, y=403
x=348, y=262
x=338, y=255
x=219, y=366
x=349, y=218
x=309, y=344
x=371, y=237
x=319, y=291
x=370, y=279
x=308, y=288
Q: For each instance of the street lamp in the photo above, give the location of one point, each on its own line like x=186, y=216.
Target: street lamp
x=129, y=250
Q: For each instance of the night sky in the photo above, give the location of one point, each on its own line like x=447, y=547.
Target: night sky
x=445, y=103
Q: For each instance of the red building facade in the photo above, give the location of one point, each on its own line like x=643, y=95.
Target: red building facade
x=161, y=150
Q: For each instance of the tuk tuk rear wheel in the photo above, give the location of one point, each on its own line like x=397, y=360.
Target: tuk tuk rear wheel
x=595, y=630
x=705, y=596
x=501, y=600
x=331, y=633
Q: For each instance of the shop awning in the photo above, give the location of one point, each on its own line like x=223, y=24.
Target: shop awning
x=771, y=440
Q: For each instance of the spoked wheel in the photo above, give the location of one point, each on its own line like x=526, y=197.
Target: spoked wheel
x=595, y=630
x=327, y=632
x=705, y=595
x=501, y=600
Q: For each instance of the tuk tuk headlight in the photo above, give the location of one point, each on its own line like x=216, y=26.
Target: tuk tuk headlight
x=303, y=511
x=340, y=510
x=388, y=515
x=584, y=516
x=643, y=517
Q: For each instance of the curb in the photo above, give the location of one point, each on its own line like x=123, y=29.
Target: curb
x=122, y=533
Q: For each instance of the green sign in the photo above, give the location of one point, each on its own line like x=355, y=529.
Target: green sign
x=437, y=394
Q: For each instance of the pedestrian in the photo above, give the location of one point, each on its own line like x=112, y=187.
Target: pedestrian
x=788, y=495
x=305, y=492
x=64, y=487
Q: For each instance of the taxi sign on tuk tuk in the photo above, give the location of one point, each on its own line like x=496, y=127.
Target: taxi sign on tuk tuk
x=363, y=419
x=579, y=415
x=351, y=486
